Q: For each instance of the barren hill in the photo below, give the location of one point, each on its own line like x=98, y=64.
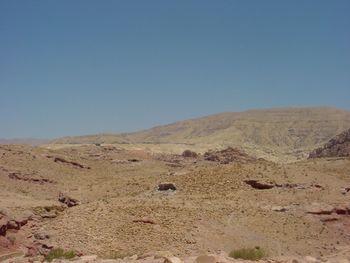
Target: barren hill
x=281, y=133
x=29, y=141
x=339, y=146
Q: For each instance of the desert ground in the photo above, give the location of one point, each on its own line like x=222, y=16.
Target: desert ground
x=115, y=202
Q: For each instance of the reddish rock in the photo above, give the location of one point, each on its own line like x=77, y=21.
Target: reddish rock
x=12, y=224
x=3, y=225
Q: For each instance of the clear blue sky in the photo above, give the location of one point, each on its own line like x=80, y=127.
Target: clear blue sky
x=83, y=67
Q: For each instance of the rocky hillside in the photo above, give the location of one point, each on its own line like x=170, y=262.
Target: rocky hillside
x=286, y=133
x=339, y=146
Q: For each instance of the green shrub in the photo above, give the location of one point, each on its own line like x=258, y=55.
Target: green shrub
x=59, y=253
x=248, y=253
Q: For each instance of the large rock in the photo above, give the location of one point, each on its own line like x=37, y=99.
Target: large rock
x=258, y=185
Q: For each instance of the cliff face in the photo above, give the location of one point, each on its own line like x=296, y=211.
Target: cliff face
x=339, y=146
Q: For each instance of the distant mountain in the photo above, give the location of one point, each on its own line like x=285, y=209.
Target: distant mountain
x=30, y=141
x=269, y=133
x=339, y=146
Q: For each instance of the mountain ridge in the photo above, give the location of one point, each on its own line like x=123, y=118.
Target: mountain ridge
x=271, y=132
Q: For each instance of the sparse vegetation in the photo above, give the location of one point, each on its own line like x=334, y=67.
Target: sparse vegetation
x=12, y=239
x=118, y=255
x=255, y=253
x=60, y=253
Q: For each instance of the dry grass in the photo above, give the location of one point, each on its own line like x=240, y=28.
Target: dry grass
x=255, y=253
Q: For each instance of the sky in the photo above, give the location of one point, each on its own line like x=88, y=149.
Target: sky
x=84, y=67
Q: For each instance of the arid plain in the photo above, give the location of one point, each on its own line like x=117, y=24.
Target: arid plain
x=135, y=196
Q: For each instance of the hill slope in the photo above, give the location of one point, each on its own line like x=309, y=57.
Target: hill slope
x=269, y=133
x=339, y=146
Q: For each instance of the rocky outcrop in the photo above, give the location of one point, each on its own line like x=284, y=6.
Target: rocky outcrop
x=7, y=223
x=211, y=258
x=257, y=185
x=227, y=155
x=69, y=201
x=64, y=161
x=339, y=146
x=27, y=178
x=269, y=185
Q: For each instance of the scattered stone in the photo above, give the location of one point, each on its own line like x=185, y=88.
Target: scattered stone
x=162, y=254
x=329, y=219
x=172, y=260
x=205, y=259
x=342, y=210
x=279, y=209
x=345, y=190
x=69, y=201
x=27, y=178
x=46, y=245
x=310, y=259
x=88, y=258
x=166, y=187
x=134, y=160
x=48, y=214
x=262, y=186
x=41, y=235
x=145, y=221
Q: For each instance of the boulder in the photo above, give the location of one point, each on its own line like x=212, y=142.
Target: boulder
x=166, y=187
x=189, y=154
